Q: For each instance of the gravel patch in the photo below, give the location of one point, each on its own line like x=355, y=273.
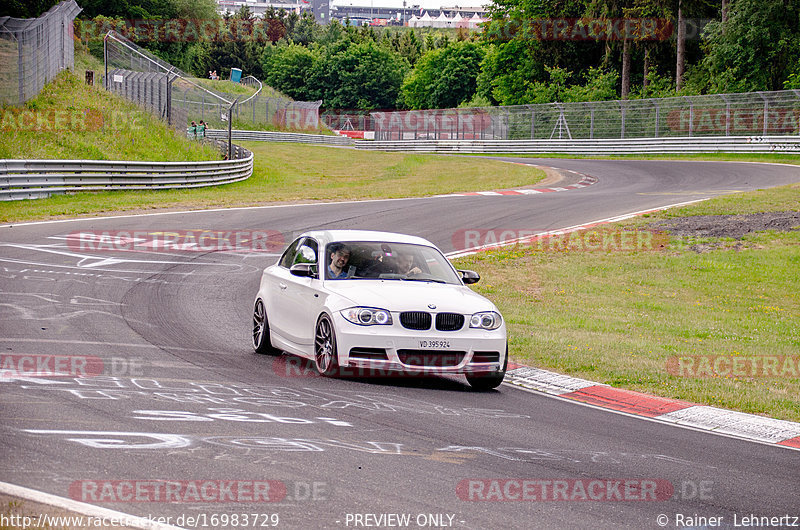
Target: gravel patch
x=734, y=226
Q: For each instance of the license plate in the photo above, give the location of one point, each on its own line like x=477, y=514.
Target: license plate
x=434, y=344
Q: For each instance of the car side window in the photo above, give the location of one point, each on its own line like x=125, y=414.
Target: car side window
x=288, y=255
x=306, y=252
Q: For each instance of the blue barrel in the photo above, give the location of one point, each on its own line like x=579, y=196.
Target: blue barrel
x=236, y=75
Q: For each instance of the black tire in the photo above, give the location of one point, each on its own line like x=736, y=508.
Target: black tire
x=488, y=380
x=325, y=352
x=261, y=340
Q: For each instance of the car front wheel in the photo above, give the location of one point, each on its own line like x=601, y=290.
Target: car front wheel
x=261, y=341
x=325, y=353
x=488, y=380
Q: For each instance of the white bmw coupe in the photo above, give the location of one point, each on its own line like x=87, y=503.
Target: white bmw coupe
x=368, y=302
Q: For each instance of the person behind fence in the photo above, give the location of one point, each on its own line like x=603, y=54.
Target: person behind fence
x=201, y=129
x=340, y=255
x=192, y=132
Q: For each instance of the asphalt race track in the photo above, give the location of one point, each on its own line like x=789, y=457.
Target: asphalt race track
x=182, y=396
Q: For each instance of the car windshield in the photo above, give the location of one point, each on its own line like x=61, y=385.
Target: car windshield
x=359, y=260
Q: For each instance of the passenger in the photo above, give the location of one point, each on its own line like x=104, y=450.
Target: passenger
x=405, y=265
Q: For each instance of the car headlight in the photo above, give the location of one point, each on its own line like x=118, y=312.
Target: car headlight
x=486, y=320
x=368, y=316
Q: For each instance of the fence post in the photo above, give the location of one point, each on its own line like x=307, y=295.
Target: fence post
x=691, y=114
x=230, y=127
x=63, y=55
x=169, y=99
x=621, y=119
x=591, y=120
x=658, y=110
x=20, y=67
x=105, y=61
x=797, y=94
x=727, y=114
x=766, y=111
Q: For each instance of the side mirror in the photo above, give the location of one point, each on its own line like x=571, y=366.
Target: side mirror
x=304, y=270
x=469, y=277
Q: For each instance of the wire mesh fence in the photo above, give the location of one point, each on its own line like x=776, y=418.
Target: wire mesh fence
x=750, y=114
x=179, y=97
x=34, y=50
x=279, y=113
x=153, y=83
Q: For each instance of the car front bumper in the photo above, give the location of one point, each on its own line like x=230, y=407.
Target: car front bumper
x=396, y=349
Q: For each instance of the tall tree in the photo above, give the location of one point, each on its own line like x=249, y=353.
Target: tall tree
x=758, y=48
x=680, y=66
x=444, y=77
x=288, y=68
x=361, y=76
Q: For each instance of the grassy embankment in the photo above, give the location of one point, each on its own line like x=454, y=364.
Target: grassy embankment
x=71, y=120
x=619, y=317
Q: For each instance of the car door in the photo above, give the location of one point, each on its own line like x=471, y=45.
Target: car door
x=275, y=293
x=300, y=297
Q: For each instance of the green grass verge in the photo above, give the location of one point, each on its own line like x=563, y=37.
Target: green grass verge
x=286, y=172
x=226, y=87
x=618, y=317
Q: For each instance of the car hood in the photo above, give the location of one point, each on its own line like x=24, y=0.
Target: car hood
x=396, y=295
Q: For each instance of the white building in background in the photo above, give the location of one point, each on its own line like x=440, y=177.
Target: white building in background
x=442, y=21
x=259, y=8
x=406, y=12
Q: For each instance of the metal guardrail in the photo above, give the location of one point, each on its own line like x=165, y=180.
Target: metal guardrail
x=33, y=179
x=633, y=146
x=269, y=136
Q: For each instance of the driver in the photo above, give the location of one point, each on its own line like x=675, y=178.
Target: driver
x=340, y=256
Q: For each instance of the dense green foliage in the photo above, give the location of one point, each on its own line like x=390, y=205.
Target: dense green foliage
x=445, y=77
x=510, y=62
x=758, y=49
x=26, y=8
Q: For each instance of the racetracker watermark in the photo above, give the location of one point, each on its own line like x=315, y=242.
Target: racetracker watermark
x=441, y=124
x=62, y=120
x=177, y=241
x=588, y=240
x=593, y=29
x=15, y=365
x=734, y=120
x=546, y=490
x=701, y=366
x=290, y=366
x=177, y=491
x=182, y=30
x=198, y=491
